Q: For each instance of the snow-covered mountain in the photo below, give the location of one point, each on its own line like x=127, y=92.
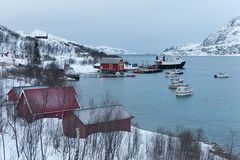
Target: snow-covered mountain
x=225, y=41
x=112, y=51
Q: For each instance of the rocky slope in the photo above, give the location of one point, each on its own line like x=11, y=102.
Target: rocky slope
x=225, y=41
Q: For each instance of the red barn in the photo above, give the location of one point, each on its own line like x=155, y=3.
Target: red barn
x=93, y=120
x=37, y=103
x=112, y=64
x=15, y=92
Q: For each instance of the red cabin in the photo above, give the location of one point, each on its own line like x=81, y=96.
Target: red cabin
x=112, y=64
x=15, y=92
x=37, y=103
x=93, y=120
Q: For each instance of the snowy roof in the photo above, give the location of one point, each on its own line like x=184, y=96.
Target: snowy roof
x=102, y=114
x=18, y=90
x=110, y=60
x=49, y=100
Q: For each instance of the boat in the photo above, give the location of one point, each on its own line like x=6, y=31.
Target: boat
x=130, y=67
x=221, y=75
x=97, y=65
x=117, y=75
x=147, y=70
x=175, y=85
x=169, y=62
x=71, y=79
x=177, y=80
x=170, y=74
x=184, y=91
x=76, y=77
x=177, y=71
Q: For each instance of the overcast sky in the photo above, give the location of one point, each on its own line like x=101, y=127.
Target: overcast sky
x=146, y=26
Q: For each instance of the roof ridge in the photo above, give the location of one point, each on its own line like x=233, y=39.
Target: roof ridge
x=107, y=106
x=44, y=88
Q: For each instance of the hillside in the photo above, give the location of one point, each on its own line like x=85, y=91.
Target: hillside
x=22, y=49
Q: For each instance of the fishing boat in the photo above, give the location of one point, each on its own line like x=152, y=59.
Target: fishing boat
x=117, y=75
x=175, y=85
x=184, y=91
x=170, y=74
x=177, y=71
x=130, y=67
x=169, y=62
x=177, y=80
x=221, y=75
x=146, y=70
x=96, y=65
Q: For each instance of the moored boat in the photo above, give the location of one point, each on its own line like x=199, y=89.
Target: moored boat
x=177, y=71
x=175, y=83
x=117, y=76
x=221, y=75
x=170, y=74
x=146, y=70
x=169, y=63
x=96, y=65
x=177, y=80
x=184, y=91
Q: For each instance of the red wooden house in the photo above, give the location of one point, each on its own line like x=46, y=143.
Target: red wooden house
x=15, y=92
x=112, y=64
x=37, y=103
x=93, y=120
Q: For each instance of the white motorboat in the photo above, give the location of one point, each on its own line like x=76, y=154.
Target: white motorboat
x=177, y=71
x=221, y=75
x=175, y=85
x=184, y=91
x=170, y=74
x=177, y=80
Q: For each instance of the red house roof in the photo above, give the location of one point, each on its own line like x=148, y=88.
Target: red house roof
x=18, y=90
x=50, y=100
x=111, y=60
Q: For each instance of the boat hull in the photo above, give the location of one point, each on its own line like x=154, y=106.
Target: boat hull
x=147, y=71
x=172, y=66
x=118, y=76
x=189, y=93
x=218, y=76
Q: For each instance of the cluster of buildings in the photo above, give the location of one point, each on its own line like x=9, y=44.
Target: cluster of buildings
x=38, y=102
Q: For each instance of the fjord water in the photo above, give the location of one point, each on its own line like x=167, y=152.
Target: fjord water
x=214, y=105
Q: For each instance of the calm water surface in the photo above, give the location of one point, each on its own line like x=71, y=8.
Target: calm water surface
x=214, y=106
